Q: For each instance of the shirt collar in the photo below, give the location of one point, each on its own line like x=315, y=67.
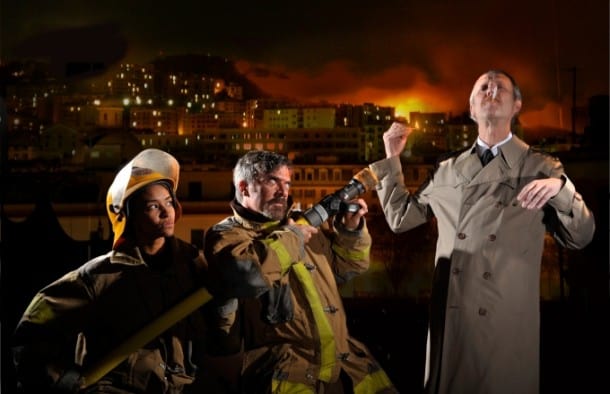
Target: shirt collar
x=483, y=146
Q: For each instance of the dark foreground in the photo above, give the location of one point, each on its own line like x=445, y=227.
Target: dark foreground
x=574, y=343
x=574, y=349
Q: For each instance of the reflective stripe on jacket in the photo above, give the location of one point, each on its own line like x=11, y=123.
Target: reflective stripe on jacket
x=79, y=318
x=294, y=324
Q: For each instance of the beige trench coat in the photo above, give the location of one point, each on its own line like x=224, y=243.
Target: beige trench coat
x=484, y=318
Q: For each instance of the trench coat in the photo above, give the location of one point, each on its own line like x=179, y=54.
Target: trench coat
x=484, y=326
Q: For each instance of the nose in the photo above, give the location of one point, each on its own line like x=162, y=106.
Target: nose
x=492, y=89
x=282, y=189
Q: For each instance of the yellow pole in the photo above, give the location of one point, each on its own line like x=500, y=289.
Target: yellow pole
x=145, y=335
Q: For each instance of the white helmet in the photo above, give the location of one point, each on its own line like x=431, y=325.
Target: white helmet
x=148, y=166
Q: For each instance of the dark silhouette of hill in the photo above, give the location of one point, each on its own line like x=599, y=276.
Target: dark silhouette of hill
x=79, y=52
x=212, y=66
x=24, y=72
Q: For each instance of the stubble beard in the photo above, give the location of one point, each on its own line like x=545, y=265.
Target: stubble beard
x=276, y=209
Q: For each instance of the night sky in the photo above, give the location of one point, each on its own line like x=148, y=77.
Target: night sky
x=412, y=55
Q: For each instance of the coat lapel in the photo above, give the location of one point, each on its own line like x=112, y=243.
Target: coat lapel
x=500, y=170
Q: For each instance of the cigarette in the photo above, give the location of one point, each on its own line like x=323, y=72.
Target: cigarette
x=495, y=92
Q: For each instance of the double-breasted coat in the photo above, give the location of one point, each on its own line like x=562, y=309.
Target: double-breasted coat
x=484, y=319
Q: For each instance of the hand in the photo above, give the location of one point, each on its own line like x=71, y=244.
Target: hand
x=395, y=139
x=351, y=220
x=307, y=230
x=538, y=192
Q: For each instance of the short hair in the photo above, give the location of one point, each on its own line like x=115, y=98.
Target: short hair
x=255, y=164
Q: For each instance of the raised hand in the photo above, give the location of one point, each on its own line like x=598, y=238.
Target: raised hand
x=395, y=139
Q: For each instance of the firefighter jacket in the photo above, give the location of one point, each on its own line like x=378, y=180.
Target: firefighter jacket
x=290, y=314
x=75, y=321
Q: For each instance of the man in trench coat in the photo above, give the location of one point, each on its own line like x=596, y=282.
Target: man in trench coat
x=492, y=218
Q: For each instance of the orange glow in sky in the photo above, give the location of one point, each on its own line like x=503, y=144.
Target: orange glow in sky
x=337, y=83
x=389, y=55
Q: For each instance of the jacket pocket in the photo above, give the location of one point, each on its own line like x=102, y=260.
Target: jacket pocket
x=277, y=304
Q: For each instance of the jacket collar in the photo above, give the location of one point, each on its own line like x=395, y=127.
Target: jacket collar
x=469, y=167
x=250, y=219
x=128, y=253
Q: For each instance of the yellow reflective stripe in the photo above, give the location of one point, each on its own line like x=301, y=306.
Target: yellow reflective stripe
x=268, y=225
x=349, y=254
x=39, y=311
x=281, y=252
x=286, y=387
x=373, y=383
x=327, y=339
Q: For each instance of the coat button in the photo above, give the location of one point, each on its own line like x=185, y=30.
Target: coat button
x=456, y=271
x=492, y=237
x=487, y=275
x=331, y=309
x=461, y=236
x=482, y=312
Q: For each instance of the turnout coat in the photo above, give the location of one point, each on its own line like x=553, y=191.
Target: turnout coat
x=291, y=317
x=76, y=321
x=484, y=319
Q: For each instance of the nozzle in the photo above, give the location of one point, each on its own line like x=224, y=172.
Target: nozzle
x=362, y=182
x=367, y=178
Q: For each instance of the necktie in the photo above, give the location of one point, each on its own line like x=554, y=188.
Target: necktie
x=487, y=157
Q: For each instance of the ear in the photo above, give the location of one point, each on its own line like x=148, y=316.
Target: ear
x=243, y=188
x=517, y=107
x=472, y=114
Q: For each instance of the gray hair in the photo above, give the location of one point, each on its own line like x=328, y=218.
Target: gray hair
x=256, y=164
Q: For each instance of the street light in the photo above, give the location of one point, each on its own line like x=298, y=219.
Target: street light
x=126, y=103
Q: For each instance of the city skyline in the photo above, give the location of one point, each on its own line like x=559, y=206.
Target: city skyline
x=408, y=55
x=415, y=56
